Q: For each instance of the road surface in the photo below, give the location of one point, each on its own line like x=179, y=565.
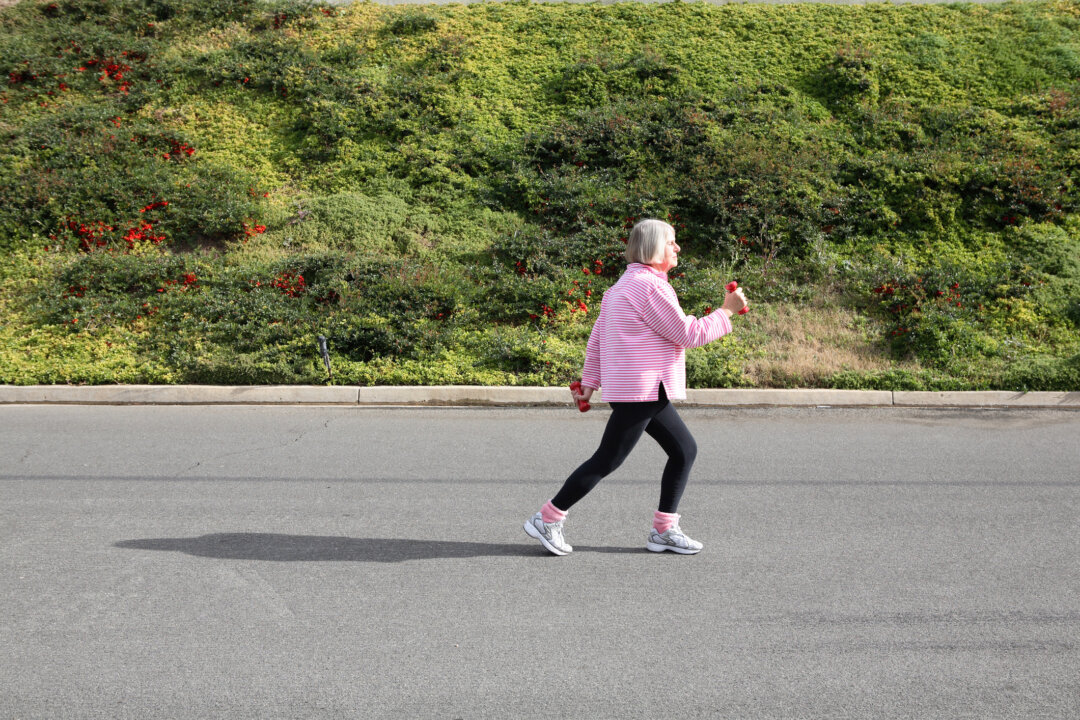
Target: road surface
x=335, y=562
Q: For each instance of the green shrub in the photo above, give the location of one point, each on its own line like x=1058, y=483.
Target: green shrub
x=377, y=225
x=728, y=191
x=1042, y=373
x=89, y=180
x=601, y=79
x=427, y=187
x=99, y=290
x=286, y=364
x=411, y=22
x=849, y=80
x=718, y=365
x=1047, y=248
x=936, y=313
x=924, y=380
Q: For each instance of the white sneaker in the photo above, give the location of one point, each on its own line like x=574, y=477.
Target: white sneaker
x=550, y=535
x=674, y=540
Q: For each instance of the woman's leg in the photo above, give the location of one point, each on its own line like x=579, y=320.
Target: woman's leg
x=668, y=429
x=624, y=428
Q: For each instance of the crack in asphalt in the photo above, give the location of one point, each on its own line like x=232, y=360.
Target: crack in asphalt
x=294, y=441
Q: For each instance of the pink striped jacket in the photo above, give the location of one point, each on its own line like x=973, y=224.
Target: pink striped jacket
x=640, y=338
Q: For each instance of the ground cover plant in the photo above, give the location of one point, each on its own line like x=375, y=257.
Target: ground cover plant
x=195, y=191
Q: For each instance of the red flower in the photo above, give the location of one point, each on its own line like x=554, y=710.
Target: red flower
x=290, y=284
x=256, y=230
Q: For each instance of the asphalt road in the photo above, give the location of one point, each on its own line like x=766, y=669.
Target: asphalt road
x=286, y=562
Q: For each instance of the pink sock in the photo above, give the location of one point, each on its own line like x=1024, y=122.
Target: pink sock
x=549, y=513
x=663, y=522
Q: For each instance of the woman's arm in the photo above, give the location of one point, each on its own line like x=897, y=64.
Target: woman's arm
x=590, y=374
x=666, y=318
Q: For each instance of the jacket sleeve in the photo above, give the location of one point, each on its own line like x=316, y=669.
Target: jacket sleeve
x=590, y=374
x=666, y=318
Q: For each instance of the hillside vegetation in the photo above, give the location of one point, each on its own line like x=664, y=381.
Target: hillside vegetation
x=193, y=192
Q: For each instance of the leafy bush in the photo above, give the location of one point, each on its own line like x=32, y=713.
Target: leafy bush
x=412, y=22
x=849, y=80
x=193, y=191
x=1045, y=374
x=100, y=290
x=89, y=180
x=900, y=380
x=720, y=365
x=379, y=224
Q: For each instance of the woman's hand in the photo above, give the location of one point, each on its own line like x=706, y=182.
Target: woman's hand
x=734, y=302
x=583, y=394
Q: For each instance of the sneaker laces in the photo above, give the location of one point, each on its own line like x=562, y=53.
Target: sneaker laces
x=555, y=528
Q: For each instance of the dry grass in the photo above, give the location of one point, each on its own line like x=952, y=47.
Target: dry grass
x=805, y=345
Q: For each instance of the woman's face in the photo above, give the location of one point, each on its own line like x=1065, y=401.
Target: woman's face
x=670, y=256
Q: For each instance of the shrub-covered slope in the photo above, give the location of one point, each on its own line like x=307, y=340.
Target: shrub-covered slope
x=194, y=191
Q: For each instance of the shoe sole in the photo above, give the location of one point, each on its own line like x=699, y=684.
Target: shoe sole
x=532, y=532
x=661, y=548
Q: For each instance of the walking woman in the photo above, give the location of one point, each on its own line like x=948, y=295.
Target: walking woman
x=637, y=354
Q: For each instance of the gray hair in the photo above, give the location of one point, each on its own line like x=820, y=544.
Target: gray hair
x=647, y=241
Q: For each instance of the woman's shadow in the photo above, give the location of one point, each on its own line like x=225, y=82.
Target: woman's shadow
x=297, y=548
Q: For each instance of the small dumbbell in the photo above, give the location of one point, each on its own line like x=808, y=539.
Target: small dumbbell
x=583, y=405
x=732, y=287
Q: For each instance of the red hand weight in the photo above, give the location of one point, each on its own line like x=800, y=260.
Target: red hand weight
x=583, y=405
x=732, y=287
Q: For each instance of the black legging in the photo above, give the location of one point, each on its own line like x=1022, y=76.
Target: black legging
x=628, y=419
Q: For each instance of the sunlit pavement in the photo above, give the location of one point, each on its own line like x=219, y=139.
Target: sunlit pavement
x=283, y=562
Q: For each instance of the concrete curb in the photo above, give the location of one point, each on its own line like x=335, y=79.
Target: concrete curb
x=987, y=399
x=467, y=395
